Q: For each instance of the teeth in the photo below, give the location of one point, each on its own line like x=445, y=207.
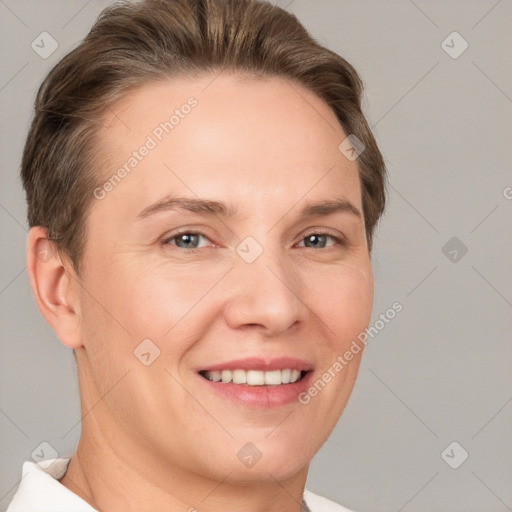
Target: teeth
x=239, y=377
x=273, y=378
x=254, y=377
x=216, y=376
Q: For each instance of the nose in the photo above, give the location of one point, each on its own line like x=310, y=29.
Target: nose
x=266, y=294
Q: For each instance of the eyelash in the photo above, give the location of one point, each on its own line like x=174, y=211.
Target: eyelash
x=339, y=241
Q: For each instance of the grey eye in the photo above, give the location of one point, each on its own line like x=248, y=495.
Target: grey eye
x=316, y=240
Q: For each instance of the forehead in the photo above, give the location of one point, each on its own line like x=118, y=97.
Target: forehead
x=223, y=134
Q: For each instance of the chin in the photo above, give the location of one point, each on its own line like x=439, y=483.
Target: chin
x=267, y=472
x=260, y=461
x=268, y=461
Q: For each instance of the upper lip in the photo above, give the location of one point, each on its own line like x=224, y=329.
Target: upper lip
x=258, y=363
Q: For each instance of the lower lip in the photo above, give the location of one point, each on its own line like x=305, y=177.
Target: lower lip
x=266, y=397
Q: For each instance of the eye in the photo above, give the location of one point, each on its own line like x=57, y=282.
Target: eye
x=318, y=240
x=186, y=240
x=191, y=240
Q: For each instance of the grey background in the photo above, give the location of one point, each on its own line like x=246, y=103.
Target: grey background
x=440, y=371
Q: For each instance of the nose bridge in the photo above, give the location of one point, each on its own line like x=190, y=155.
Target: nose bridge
x=265, y=290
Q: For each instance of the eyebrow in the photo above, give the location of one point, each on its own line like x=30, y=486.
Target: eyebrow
x=227, y=210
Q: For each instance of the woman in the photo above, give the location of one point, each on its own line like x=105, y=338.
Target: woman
x=202, y=192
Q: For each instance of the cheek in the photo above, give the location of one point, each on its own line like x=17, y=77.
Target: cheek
x=158, y=304
x=343, y=301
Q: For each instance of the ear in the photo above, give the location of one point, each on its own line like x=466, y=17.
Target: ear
x=55, y=287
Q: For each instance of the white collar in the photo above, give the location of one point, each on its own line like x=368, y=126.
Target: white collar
x=41, y=491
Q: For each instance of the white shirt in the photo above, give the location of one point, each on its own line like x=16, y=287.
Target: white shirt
x=41, y=491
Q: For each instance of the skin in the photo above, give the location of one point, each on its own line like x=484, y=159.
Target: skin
x=157, y=437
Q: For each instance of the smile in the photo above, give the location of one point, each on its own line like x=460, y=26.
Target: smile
x=255, y=377
x=257, y=382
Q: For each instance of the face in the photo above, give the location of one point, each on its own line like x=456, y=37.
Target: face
x=261, y=275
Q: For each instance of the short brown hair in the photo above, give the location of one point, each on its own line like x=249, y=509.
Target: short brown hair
x=136, y=43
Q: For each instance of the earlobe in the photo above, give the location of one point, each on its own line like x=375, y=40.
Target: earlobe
x=54, y=287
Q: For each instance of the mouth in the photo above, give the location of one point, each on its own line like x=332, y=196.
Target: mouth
x=255, y=377
x=259, y=383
